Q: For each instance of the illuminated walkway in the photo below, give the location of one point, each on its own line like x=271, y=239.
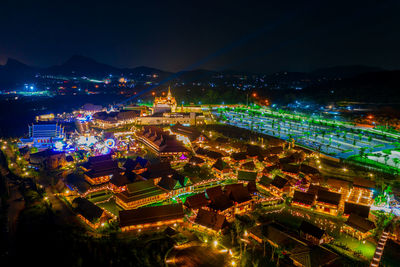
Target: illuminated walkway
x=379, y=249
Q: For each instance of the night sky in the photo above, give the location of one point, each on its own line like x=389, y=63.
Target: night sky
x=259, y=36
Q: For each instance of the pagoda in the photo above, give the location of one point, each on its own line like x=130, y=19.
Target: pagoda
x=164, y=104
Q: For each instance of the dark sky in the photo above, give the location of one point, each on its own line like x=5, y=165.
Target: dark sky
x=260, y=36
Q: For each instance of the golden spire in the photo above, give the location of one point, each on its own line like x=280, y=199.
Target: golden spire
x=169, y=92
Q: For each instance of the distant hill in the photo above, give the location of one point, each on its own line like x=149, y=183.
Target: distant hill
x=349, y=82
x=82, y=65
x=344, y=71
x=15, y=72
x=374, y=87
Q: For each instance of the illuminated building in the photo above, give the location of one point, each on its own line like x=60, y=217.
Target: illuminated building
x=148, y=217
x=106, y=120
x=240, y=196
x=299, y=251
x=221, y=168
x=362, y=192
x=100, y=169
x=360, y=210
x=161, y=142
x=303, y=199
x=277, y=187
x=156, y=188
x=313, y=233
x=187, y=134
x=44, y=135
x=45, y=117
x=196, y=161
x=197, y=201
x=358, y=226
x=141, y=193
x=239, y=157
x=137, y=166
x=164, y=104
x=90, y=108
x=210, y=221
x=220, y=202
x=88, y=212
x=328, y=202
x=246, y=176
x=168, y=118
x=207, y=154
x=48, y=159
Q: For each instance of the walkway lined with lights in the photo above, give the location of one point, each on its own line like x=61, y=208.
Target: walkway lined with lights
x=379, y=249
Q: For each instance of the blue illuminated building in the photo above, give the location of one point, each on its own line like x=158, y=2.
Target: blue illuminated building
x=44, y=135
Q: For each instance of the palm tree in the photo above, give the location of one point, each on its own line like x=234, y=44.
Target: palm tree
x=386, y=158
x=280, y=255
x=396, y=162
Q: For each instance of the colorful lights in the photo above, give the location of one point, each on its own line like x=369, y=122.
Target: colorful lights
x=59, y=145
x=110, y=143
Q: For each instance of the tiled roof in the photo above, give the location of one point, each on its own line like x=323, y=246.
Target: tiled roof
x=362, y=182
x=361, y=224
x=150, y=214
x=360, y=210
x=87, y=209
x=311, y=229
x=214, y=192
x=196, y=201
x=221, y=165
x=248, y=166
x=237, y=192
x=279, y=182
x=328, y=197
x=210, y=219
x=221, y=203
x=246, y=176
x=239, y=156
x=303, y=197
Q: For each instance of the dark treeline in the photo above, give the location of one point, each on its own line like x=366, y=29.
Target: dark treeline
x=42, y=242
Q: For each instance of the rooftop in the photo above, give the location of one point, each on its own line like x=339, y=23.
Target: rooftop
x=361, y=224
x=246, y=176
x=210, y=219
x=328, y=197
x=87, y=209
x=150, y=214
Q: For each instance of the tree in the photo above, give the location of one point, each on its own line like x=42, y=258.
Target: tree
x=396, y=161
x=386, y=158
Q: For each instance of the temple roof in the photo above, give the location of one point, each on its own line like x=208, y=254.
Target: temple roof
x=303, y=197
x=150, y=214
x=210, y=219
x=361, y=224
x=87, y=209
x=328, y=197
x=196, y=201
x=311, y=229
x=279, y=182
x=246, y=176
x=361, y=210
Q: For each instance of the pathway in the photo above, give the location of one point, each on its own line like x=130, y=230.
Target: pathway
x=379, y=249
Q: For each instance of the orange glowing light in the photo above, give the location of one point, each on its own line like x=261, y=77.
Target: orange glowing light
x=370, y=117
x=153, y=93
x=254, y=94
